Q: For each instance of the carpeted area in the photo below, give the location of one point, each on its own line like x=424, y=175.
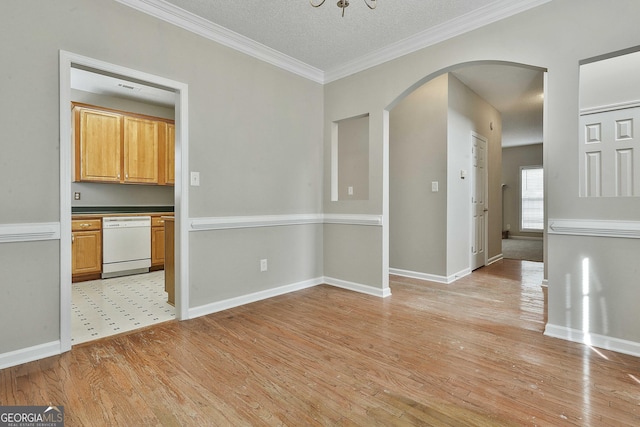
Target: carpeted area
x=529, y=250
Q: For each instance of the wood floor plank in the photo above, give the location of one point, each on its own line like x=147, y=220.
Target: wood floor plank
x=471, y=353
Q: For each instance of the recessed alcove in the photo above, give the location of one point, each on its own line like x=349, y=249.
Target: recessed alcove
x=350, y=159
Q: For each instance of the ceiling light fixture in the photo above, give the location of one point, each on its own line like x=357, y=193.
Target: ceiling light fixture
x=343, y=4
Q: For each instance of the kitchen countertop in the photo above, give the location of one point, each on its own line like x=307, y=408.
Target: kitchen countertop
x=102, y=215
x=121, y=210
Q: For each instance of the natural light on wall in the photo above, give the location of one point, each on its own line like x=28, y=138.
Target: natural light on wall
x=532, y=198
x=585, y=301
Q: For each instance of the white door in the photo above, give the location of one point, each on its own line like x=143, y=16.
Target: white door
x=478, y=201
x=609, y=155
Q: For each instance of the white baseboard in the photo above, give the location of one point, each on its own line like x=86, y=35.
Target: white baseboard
x=357, y=287
x=514, y=237
x=495, y=259
x=215, y=307
x=41, y=351
x=593, y=340
x=29, y=354
x=430, y=277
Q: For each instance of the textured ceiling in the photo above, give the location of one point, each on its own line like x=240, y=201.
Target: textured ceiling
x=320, y=44
x=517, y=92
x=320, y=37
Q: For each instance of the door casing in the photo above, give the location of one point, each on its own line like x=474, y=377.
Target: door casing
x=181, y=193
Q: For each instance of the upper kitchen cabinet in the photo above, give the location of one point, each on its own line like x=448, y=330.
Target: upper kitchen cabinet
x=140, y=151
x=170, y=163
x=98, y=137
x=120, y=147
x=167, y=157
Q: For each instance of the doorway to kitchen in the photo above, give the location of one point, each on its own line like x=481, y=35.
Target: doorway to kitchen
x=137, y=292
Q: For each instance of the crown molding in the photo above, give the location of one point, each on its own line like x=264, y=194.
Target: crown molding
x=468, y=22
x=174, y=15
x=496, y=11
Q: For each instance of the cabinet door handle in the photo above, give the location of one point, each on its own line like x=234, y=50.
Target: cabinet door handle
x=85, y=225
x=73, y=238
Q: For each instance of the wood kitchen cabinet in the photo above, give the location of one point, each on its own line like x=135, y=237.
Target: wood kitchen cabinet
x=170, y=151
x=167, y=157
x=119, y=147
x=157, y=243
x=140, y=154
x=170, y=260
x=98, y=137
x=86, y=249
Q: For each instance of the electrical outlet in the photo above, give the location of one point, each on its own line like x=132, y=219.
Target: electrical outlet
x=350, y=191
x=263, y=265
x=76, y=195
x=434, y=186
x=508, y=227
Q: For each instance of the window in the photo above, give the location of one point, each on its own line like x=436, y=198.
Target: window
x=531, y=199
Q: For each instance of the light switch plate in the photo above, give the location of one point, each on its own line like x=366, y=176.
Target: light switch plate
x=434, y=186
x=195, y=179
x=350, y=191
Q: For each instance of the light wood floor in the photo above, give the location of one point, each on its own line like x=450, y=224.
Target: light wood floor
x=468, y=353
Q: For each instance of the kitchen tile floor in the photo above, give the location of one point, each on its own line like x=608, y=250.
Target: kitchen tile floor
x=100, y=308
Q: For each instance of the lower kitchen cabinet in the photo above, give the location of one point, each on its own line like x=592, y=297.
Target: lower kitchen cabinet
x=170, y=261
x=157, y=243
x=86, y=249
x=86, y=246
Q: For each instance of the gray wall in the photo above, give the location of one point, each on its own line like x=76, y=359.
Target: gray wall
x=555, y=36
x=417, y=157
x=610, y=81
x=353, y=158
x=513, y=158
x=29, y=294
x=470, y=113
x=293, y=252
x=109, y=194
x=430, y=140
x=255, y=135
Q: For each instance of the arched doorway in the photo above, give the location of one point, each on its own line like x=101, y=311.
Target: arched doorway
x=431, y=128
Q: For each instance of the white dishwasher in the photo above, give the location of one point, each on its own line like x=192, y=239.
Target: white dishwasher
x=126, y=245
